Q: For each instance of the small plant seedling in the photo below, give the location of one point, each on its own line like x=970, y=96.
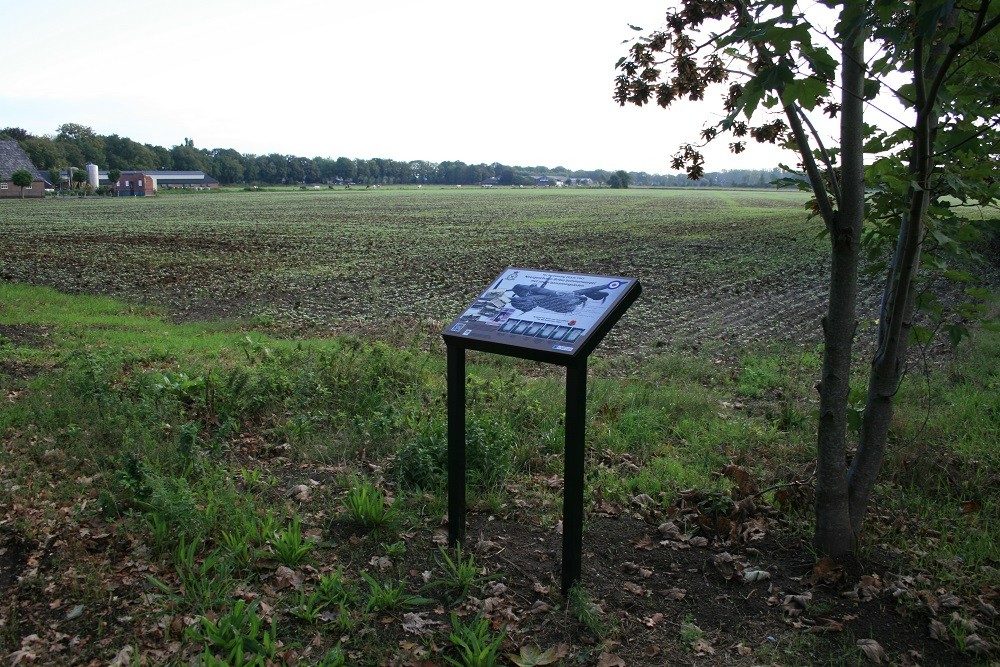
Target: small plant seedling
x=237, y=633
x=589, y=613
x=289, y=547
x=460, y=574
x=474, y=644
x=383, y=597
x=366, y=506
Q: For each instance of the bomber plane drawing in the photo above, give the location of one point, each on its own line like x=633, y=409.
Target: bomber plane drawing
x=528, y=297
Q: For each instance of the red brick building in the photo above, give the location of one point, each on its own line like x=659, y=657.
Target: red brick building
x=134, y=184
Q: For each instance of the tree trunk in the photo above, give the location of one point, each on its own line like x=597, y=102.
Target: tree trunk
x=834, y=534
x=896, y=312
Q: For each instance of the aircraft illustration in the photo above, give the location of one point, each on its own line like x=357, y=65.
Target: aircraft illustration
x=527, y=297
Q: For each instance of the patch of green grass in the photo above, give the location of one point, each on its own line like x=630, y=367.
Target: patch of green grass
x=366, y=505
x=473, y=644
x=289, y=546
x=590, y=614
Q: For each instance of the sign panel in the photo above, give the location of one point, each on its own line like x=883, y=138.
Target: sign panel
x=546, y=311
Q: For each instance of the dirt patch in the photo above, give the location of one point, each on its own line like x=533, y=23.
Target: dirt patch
x=14, y=551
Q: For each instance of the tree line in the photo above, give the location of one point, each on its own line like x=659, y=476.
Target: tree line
x=74, y=145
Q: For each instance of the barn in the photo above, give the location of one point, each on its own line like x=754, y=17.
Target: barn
x=13, y=158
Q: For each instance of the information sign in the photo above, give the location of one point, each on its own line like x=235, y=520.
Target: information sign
x=547, y=314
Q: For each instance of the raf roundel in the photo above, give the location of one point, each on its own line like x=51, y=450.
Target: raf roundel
x=614, y=284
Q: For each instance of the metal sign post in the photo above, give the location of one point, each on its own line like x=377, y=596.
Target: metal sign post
x=546, y=316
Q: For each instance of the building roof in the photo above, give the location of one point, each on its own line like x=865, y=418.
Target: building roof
x=12, y=158
x=168, y=177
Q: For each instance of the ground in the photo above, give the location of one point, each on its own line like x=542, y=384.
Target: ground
x=707, y=580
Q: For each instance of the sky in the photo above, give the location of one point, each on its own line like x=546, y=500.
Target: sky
x=521, y=83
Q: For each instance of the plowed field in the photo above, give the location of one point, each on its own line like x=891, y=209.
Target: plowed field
x=715, y=265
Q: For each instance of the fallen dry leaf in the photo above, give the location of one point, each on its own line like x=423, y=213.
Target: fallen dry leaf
x=634, y=588
x=978, y=646
x=794, y=605
x=644, y=542
x=725, y=564
x=652, y=620
x=286, y=576
x=826, y=625
x=418, y=624
x=873, y=651
x=702, y=647
x=532, y=655
x=610, y=660
x=674, y=594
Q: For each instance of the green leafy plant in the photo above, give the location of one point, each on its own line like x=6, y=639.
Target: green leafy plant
x=240, y=636
x=204, y=583
x=332, y=588
x=309, y=606
x=422, y=462
x=383, y=597
x=289, y=546
x=366, y=506
x=460, y=574
x=474, y=644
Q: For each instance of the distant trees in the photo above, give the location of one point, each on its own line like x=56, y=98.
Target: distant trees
x=22, y=178
x=619, y=180
x=76, y=144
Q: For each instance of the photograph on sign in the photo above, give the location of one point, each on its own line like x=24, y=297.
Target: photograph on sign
x=546, y=310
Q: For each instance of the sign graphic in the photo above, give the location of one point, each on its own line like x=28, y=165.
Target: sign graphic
x=542, y=310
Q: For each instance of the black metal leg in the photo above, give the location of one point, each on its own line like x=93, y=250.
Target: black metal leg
x=576, y=407
x=456, y=444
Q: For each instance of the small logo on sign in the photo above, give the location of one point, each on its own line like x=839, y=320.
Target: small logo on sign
x=512, y=276
x=614, y=284
x=457, y=327
x=467, y=332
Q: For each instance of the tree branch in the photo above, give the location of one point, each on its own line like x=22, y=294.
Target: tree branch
x=827, y=160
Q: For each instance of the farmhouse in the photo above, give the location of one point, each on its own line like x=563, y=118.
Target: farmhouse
x=12, y=158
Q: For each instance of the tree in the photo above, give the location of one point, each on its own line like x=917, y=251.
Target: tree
x=18, y=133
x=114, y=175
x=938, y=59
x=619, y=180
x=22, y=178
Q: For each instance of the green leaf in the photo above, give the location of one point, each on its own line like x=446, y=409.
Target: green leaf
x=956, y=332
x=921, y=335
x=872, y=88
x=804, y=91
x=958, y=276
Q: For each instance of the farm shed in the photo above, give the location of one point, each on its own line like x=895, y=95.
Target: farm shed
x=197, y=180
x=13, y=158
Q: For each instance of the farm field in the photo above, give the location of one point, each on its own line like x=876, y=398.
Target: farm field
x=742, y=266
x=223, y=442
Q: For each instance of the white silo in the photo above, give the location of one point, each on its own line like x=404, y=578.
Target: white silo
x=92, y=177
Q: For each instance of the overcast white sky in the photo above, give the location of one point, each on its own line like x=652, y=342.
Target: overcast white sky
x=523, y=83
